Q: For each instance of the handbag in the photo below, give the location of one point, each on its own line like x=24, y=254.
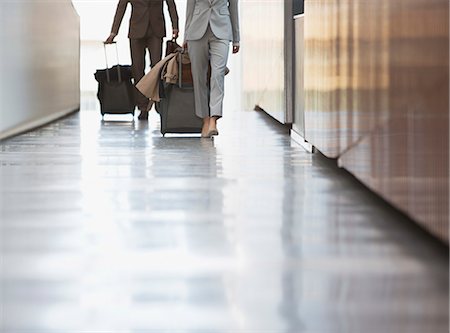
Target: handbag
x=184, y=69
x=172, y=46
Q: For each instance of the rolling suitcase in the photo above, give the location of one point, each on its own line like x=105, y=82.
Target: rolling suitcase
x=115, y=89
x=177, y=106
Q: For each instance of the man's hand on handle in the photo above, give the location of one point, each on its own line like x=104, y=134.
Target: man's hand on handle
x=110, y=39
x=175, y=33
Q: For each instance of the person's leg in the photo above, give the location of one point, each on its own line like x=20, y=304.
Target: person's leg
x=199, y=56
x=154, y=45
x=218, y=49
x=137, y=48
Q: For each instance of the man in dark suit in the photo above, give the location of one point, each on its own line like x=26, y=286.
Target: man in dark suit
x=147, y=30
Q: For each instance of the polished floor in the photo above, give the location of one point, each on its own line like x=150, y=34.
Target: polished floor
x=108, y=227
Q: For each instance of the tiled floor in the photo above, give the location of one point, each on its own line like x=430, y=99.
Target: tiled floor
x=108, y=227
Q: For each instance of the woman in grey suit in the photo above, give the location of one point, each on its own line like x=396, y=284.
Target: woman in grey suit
x=210, y=27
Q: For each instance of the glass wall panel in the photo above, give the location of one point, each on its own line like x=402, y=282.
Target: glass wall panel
x=263, y=56
x=376, y=98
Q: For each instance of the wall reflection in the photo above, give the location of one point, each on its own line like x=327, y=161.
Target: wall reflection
x=299, y=89
x=376, y=95
x=263, y=56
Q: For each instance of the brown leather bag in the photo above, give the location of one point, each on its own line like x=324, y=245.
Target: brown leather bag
x=172, y=46
x=184, y=69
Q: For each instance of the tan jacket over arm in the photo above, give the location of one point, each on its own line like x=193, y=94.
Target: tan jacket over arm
x=149, y=84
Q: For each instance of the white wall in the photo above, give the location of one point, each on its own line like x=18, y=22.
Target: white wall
x=39, y=63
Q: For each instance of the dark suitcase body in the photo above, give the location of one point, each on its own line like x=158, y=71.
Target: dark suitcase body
x=115, y=96
x=177, y=110
x=115, y=89
x=177, y=105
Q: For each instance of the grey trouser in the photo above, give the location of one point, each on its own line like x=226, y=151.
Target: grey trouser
x=208, y=49
x=138, y=48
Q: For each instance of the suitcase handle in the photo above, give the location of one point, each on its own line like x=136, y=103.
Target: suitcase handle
x=180, y=66
x=108, y=78
x=180, y=69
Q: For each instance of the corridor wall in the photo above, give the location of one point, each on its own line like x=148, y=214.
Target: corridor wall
x=376, y=98
x=39, y=63
x=264, y=57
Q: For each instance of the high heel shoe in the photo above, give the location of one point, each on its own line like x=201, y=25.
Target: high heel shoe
x=213, y=132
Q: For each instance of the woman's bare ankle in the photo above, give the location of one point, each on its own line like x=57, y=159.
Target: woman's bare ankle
x=213, y=123
x=205, y=127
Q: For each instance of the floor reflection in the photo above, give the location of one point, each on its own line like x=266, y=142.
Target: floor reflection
x=107, y=226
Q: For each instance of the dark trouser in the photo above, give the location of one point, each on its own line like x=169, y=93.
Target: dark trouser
x=138, y=48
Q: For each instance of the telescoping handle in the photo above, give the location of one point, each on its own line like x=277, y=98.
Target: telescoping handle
x=180, y=69
x=180, y=66
x=119, y=75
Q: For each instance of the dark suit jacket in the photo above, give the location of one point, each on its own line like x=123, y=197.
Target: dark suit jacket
x=147, y=17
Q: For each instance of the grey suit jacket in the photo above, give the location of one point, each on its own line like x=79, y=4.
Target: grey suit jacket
x=221, y=15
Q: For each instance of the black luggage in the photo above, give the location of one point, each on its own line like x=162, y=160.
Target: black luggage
x=115, y=88
x=177, y=111
x=177, y=105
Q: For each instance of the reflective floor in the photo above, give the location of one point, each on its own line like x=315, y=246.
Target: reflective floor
x=108, y=227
